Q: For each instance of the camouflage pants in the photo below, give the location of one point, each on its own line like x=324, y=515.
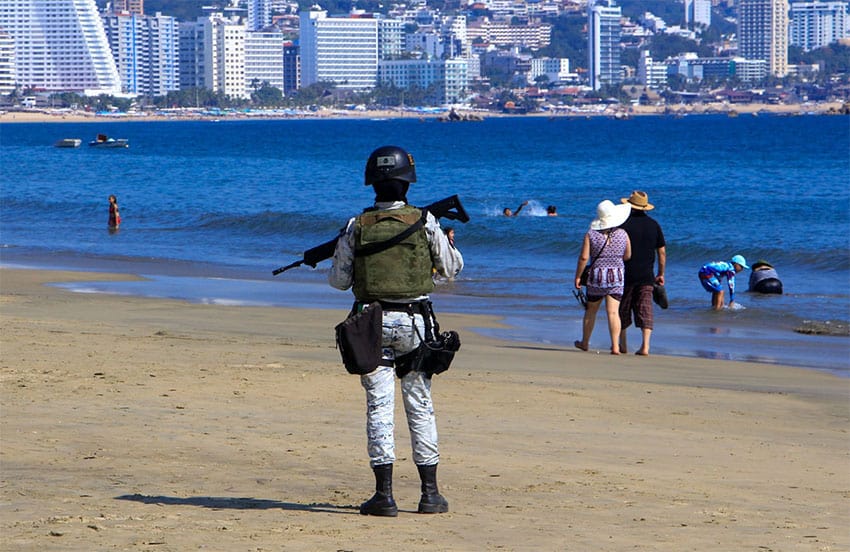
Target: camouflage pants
x=399, y=337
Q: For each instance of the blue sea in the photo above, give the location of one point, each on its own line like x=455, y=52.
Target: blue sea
x=210, y=208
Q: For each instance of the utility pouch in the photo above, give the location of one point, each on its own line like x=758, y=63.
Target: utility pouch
x=431, y=357
x=358, y=339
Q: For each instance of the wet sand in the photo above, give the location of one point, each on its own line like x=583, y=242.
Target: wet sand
x=147, y=424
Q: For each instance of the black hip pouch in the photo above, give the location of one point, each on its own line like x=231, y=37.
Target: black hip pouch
x=358, y=339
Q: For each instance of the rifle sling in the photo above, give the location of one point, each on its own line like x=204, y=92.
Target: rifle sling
x=373, y=248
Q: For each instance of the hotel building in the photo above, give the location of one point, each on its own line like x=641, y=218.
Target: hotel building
x=447, y=77
x=7, y=63
x=346, y=50
x=763, y=33
x=264, y=58
x=603, y=43
x=60, y=46
x=816, y=24
x=146, y=50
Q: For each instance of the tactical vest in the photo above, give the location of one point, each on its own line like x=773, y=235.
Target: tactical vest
x=398, y=272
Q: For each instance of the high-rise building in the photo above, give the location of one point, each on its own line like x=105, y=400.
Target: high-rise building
x=192, y=54
x=264, y=58
x=763, y=33
x=129, y=6
x=345, y=50
x=60, y=46
x=447, y=78
x=7, y=63
x=697, y=13
x=603, y=43
x=224, y=55
x=259, y=14
x=146, y=50
x=291, y=68
x=816, y=24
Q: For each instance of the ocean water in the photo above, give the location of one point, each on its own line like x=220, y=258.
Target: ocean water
x=209, y=209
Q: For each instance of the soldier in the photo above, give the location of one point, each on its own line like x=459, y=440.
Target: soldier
x=399, y=276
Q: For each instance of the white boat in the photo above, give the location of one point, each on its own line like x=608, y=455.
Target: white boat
x=104, y=141
x=68, y=143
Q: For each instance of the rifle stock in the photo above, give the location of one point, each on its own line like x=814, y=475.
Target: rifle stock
x=450, y=208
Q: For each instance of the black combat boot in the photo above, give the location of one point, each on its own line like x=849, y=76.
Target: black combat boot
x=382, y=503
x=432, y=502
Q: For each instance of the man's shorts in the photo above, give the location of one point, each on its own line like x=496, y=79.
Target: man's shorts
x=637, y=300
x=710, y=283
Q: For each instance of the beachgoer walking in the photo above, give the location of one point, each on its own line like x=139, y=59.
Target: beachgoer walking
x=711, y=277
x=608, y=246
x=647, y=241
x=399, y=277
x=114, y=215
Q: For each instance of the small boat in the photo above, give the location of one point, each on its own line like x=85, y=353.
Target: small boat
x=68, y=143
x=104, y=141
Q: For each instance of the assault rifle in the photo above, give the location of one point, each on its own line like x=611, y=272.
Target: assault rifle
x=450, y=208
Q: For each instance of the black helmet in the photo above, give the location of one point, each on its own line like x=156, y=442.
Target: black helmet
x=390, y=163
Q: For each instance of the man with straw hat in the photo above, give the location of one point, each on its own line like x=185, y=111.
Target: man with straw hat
x=647, y=241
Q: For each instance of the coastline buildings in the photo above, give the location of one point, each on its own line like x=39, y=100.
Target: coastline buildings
x=345, y=50
x=603, y=43
x=60, y=46
x=447, y=79
x=146, y=52
x=817, y=24
x=7, y=63
x=763, y=33
x=697, y=13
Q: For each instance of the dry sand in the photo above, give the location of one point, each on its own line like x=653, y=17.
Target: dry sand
x=60, y=116
x=138, y=424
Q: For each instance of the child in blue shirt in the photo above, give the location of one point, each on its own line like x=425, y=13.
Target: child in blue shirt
x=712, y=274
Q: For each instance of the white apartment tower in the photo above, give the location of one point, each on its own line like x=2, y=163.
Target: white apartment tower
x=763, y=33
x=60, y=45
x=264, y=58
x=603, y=37
x=7, y=63
x=816, y=24
x=339, y=50
x=697, y=13
x=259, y=14
x=146, y=50
x=224, y=56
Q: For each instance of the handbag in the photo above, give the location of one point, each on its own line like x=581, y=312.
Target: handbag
x=585, y=274
x=358, y=339
x=659, y=295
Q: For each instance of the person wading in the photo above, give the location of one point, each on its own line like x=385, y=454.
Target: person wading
x=399, y=277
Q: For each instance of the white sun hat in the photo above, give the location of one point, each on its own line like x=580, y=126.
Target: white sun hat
x=609, y=215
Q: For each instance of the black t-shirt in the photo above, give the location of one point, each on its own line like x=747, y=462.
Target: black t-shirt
x=646, y=237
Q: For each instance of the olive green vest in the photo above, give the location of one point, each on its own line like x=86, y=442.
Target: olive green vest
x=398, y=272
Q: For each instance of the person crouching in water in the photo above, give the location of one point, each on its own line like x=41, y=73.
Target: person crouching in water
x=400, y=278
x=711, y=276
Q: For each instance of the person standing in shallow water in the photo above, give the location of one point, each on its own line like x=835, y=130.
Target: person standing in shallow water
x=114, y=214
x=399, y=277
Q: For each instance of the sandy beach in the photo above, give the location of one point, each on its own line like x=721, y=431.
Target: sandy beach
x=142, y=424
x=65, y=116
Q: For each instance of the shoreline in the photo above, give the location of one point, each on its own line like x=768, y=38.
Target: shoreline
x=136, y=423
x=684, y=334
x=754, y=109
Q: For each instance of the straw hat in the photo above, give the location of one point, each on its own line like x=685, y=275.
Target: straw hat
x=609, y=215
x=638, y=200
